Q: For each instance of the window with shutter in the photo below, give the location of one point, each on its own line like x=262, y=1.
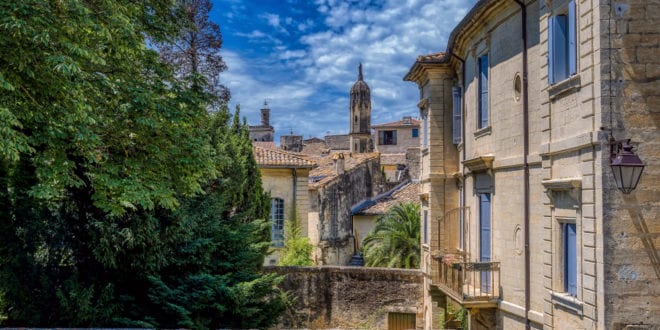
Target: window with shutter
x=457, y=107
x=483, y=92
x=562, y=47
x=570, y=258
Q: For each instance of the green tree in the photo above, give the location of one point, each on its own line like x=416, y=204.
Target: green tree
x=122, y=202
x=297, y=250
x=214, y=280
x=395, y=240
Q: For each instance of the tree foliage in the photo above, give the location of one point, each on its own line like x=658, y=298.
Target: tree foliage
x=196, y=48
x=123, y=202
x=297, y=249
x=395, y=240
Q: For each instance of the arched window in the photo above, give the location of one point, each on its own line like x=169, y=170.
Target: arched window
x=277, y=221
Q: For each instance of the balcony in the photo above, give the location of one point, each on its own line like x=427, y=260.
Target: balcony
x=472, y=284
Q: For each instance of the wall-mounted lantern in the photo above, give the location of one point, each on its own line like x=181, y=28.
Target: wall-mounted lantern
x=626, y=165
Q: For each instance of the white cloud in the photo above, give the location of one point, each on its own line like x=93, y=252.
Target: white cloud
x=312, y=93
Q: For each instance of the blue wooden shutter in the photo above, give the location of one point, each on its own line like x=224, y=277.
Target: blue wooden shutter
x=484, y=227
x=560, y=48
x=425, y=129
x=572, y=48
x=457, y=103
x=485, y=239
x=570, y=259
x=483, y=91
x=426, y=227
x=551, y=50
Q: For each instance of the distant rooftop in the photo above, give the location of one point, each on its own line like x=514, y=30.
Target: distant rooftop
x=268, y=157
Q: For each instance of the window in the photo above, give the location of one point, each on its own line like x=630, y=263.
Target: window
x=461, y=211
x=277, y=221
x=387, y=137
x=426, y=227
x=483, y=92
x=456, y=106
x=415, y=132
x=425, y=130
x=570, y=258
x=561, y=45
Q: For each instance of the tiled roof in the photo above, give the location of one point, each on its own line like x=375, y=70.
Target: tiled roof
x=325, y=172
x=381, y=204
x=275, y=158
x=399, y=123
x=264, y=144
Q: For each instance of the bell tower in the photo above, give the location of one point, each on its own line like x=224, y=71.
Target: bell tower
x=360, y=116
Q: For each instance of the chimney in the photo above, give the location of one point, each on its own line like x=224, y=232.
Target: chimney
x=407, y=120
x=338, y=159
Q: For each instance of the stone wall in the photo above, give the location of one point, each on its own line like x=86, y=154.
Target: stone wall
x=631, y=226
x=333, y=203
x=349, y=297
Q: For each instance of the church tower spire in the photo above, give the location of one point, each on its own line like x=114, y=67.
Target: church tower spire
x=360, y=115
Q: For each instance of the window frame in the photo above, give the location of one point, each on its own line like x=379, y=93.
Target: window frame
x=569, y=251
x=457, y=114
x=483, y=76
x=385, y=140
x=562, y=43
x=277, y=220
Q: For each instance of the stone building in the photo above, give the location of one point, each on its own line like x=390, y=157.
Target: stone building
x=284, y=176
x=341, y=181
x=398, y=144
x=396, y=137
x=360, y=116
x=527, y=227
x=264, y=132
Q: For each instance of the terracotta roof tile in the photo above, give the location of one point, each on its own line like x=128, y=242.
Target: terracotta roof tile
x=399, y=123
x=406, y=194
x=269, y=158
x=325, y=172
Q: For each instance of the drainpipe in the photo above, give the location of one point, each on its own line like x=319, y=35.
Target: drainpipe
x=523, y=9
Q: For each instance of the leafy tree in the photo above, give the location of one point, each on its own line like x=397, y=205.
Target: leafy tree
x=297, y=249
x=395, y=240
x=122, y=202
x=196, y=48
x=214, y=280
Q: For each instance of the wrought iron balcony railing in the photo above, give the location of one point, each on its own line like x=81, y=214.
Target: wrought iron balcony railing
x=467, y=281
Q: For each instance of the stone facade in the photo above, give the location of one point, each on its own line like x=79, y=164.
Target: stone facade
x=402, y=131
x=360, y=116
x=537, y=165
x=285, y=176
x=350, y=297
x=358, y=178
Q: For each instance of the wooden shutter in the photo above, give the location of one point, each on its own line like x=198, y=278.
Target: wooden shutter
x=456, y=106
x=485, y=239
x=570, y=259
x=572, y=47
x=483, y=91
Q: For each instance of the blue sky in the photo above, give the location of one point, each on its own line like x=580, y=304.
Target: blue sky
x=302, y=56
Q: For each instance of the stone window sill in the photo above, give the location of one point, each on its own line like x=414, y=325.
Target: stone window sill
x=568, y=302
x=561, y=88
x=483, y=132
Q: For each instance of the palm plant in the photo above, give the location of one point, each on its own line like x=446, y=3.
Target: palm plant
x=395, y=240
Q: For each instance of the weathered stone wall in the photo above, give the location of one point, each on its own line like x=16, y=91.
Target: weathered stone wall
x=349, y=297
x=291, y=143
x=631, y=226
x=333, y=203
x=404, y=140
x=338, y=142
